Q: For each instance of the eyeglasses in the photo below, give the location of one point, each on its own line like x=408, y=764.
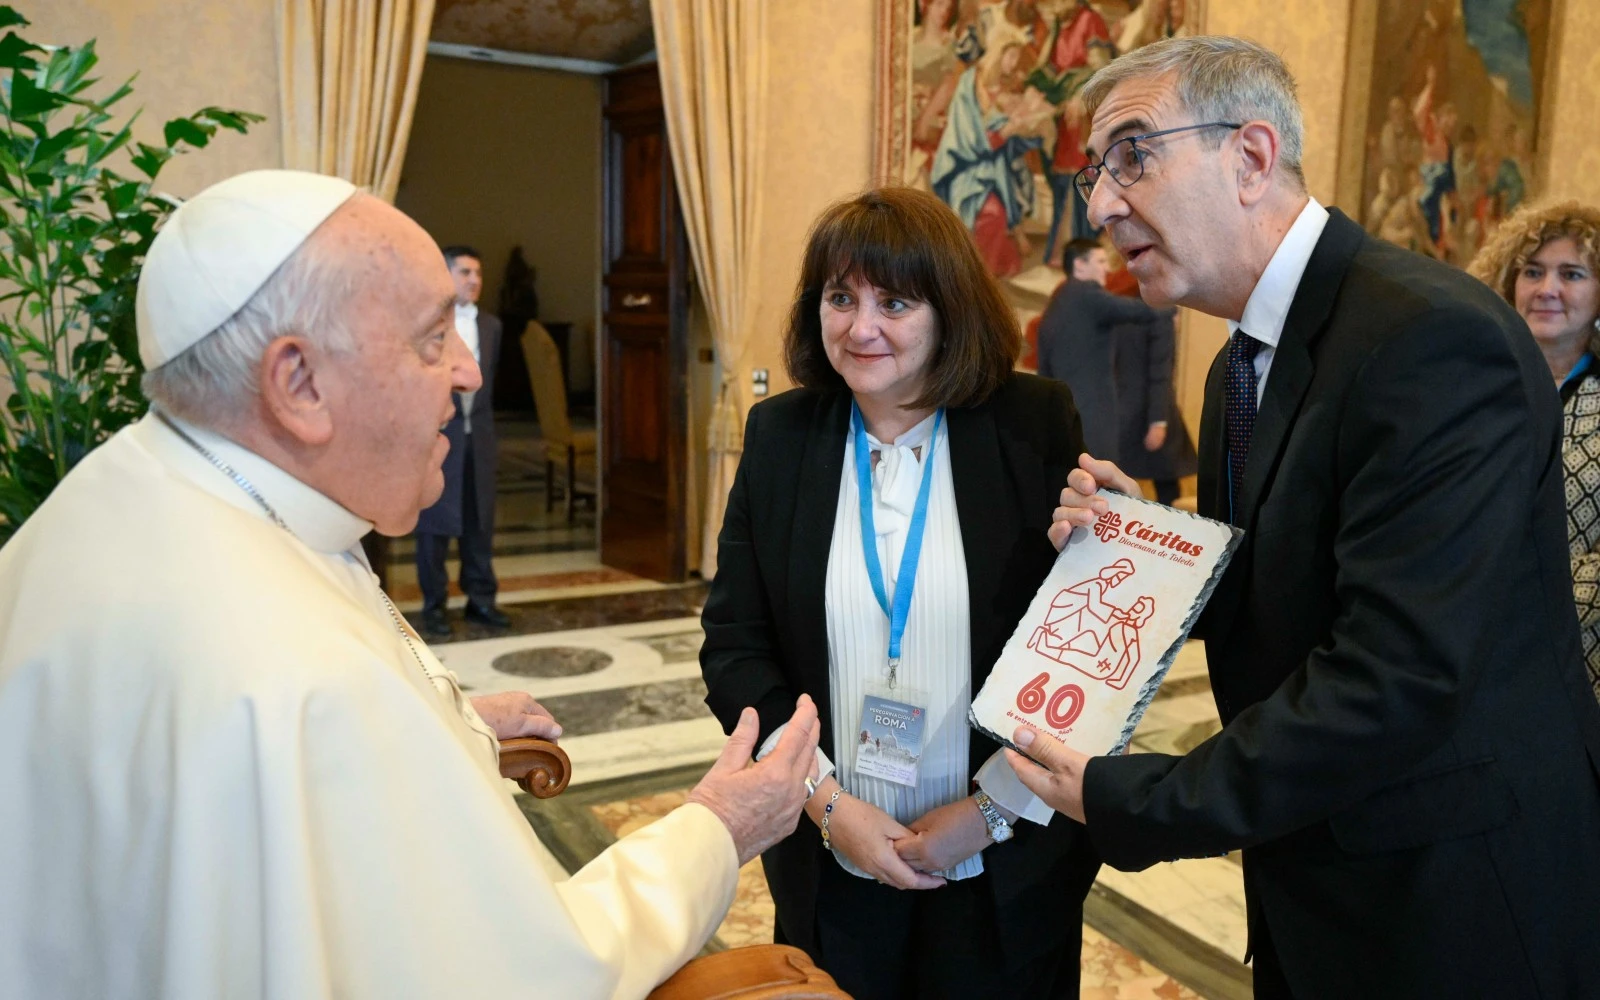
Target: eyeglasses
x=1124, y=161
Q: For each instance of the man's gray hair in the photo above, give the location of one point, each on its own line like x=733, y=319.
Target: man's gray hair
x=1218, y=79
x=214, y=382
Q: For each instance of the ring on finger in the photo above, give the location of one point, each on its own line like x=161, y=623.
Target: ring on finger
x=811, y=786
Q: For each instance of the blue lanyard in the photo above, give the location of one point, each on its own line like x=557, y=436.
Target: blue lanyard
x=912, y=553
x=1578, y=369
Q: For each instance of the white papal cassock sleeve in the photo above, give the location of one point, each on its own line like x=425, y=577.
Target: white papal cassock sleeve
x=424, y=872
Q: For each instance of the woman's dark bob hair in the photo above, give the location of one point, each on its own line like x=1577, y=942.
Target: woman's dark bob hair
x=908, y=243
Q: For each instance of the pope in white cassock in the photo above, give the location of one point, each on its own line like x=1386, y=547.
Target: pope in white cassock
x=227, y=769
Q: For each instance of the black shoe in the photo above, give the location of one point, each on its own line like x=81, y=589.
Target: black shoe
x=435, y=624
x=491, y=616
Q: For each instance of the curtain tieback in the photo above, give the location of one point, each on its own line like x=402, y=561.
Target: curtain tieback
x=724, y=433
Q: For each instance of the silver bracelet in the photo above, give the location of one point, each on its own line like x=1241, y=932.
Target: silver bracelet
x=827, y=814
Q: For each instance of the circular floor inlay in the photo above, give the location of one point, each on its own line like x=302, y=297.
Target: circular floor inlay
x=552, y=661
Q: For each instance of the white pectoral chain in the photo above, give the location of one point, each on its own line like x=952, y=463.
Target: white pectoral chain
x=255, y=494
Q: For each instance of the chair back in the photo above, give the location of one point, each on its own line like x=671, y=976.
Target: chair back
x=549, y=388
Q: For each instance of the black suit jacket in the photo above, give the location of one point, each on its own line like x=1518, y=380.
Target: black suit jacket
x=1409, y=752
x=766, y=630
x=444, y=517
x=1144, y=362
x=1076, y=347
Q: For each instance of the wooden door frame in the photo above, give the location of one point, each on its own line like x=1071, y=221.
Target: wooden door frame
x=616, y=119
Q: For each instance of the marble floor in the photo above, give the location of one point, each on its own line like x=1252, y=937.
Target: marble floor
x=538, y=553
x=1109, y=970
x=621, y=672
x=1203, y=896
x=628, y=696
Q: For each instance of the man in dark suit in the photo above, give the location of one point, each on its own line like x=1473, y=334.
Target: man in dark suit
x=1410, y=752
x=1075, y=340
x=465, y=511
x=1152, y=441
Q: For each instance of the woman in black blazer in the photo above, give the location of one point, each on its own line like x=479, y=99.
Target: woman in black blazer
x=903, y=347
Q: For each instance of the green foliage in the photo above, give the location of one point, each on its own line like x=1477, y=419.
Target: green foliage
x=73, y=235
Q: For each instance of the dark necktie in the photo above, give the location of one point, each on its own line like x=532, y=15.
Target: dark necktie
x=1239, y=398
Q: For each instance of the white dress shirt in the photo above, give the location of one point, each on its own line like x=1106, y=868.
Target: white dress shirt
x=936, y=650
x=1268, y=307
x=467, y=326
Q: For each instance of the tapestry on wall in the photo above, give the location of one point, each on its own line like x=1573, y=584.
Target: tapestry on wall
x=977, y=101
x=1449, y=121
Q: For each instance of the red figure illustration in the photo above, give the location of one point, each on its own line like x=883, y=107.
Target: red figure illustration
x=1088, y=633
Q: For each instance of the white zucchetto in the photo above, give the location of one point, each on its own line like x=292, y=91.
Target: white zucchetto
x=219, y=247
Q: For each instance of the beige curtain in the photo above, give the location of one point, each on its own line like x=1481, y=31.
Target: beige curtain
x=347, y=86
x=712, y=55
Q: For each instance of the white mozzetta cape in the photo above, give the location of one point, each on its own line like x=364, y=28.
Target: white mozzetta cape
x=223, y=774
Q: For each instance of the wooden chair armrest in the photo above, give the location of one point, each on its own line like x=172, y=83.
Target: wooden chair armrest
x=539, y=766
x=758, y=972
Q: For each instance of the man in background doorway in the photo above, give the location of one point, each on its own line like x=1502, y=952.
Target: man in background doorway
x=1152, y=441
x=1076, y=340
x=465, y=511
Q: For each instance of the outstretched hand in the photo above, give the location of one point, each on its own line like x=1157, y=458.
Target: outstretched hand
x=760, y=803
x=1080, y=505
x=1057, y=778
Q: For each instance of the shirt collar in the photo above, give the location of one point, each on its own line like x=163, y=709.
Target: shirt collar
x=897, y=478
x=467, y=311
x=314, y=518
x=1268, y=308
x=913, y=437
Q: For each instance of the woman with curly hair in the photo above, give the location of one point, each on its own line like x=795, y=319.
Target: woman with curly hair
x=1543, y=259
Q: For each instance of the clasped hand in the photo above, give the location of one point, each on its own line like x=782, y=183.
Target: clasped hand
x=898, y=855
x=867, y=836
x=944, y=837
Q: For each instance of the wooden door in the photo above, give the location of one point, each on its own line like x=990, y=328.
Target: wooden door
x=644, y=342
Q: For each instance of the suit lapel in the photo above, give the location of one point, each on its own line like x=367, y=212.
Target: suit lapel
x=978, y=460
x=1212, y=487
x=1213, y=496
x=1287, y=381
x=1292, y=368
x=986, y=462
x=811, y=537
x=489, y=351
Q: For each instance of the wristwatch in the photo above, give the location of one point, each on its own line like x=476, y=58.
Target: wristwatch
x=999, y=829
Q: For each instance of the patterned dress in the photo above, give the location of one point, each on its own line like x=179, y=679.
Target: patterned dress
x=1580, y=453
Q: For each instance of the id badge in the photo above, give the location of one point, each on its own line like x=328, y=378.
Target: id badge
x=890, y=742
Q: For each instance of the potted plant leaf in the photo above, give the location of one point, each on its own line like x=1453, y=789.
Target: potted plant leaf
x=77, y=214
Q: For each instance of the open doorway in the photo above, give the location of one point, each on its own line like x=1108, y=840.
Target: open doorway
x=556, y=176
x=505, y=159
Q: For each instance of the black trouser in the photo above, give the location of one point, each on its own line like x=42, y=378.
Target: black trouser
x=476, y=548
x=881, y=943
x=1166, y=491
